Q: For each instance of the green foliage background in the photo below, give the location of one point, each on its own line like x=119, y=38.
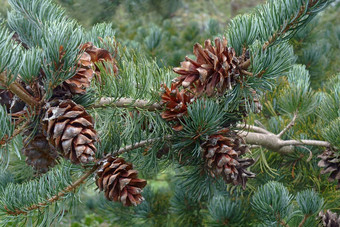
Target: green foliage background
x=166, y=30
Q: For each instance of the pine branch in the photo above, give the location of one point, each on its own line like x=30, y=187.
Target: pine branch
x=272, y=142
x=18, y=90
x=15, y=133
x=253, y=128
x=56, y=197
x=296, y=20
x=291, y=124
x=138, y=145
x=127, y=102
x=303, y=220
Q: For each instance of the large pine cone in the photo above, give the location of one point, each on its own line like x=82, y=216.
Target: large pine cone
x=176, y=104
x=222, y=157
x=329, y=219
x=70, y=129
x=39, y=154
x=331, y=164
x=216, y=68
x=119, y=181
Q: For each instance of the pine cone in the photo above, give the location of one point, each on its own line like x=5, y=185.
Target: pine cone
x=216, y=68
x=82, y=79
x=119, y=181
x=69, y=128
x=222, y=158
x=176, y=105
x=99, y=55
x=329, y=219
x=12, y=103
x=331, y=164
x=39, y=154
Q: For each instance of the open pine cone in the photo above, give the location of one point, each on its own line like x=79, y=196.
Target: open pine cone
x=82, y=79
x=69, y=128
x=222, y=157
x=99, y=55
x=176, y=104
x=39, y=154
x=215, y=70
x=330, y=162
x=329, y=219
x=119, y=181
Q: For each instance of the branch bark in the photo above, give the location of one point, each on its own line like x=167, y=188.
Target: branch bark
x=18, y=90
x=138, y=145
x=272, y=142
x=127, y=102
x=291, y=124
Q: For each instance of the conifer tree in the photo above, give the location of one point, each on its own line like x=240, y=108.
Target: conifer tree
x=245, y=138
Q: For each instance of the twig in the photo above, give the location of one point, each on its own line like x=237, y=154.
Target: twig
x=127, y=102
x=246, y=72
x=253, y=128
x=138, y=145
x=18, y=90
x=291, y=124
x=303, y=220
x=15, y=133
x=56, y=197
x=310, y=153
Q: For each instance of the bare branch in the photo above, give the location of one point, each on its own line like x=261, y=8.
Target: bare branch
x=127, y=102
x=253, y=128
x=272, y=142
x=291, y=124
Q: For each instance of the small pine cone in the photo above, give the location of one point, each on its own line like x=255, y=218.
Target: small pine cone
x=82, y=79
x=119, y=181
x=329, y=219
x=39, y=154
x=69, y=128
x=216, y=68
x=99, y=55
x=330, y=161
x=176, y=105
x=222, y=158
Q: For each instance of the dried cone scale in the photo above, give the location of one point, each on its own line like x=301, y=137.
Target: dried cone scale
x=119, y=181
x=215, y=69
x=329, y=219
x=222, y=156
x=70, y=129
x=176, y=104
x=39, y=154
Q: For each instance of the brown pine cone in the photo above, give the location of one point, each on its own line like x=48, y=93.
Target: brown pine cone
x=69, y=128
x=82, y=79
x=330, y=162
x=329, y=219
x=39, y=154
x=216, y=68
x=176, y=105
x=119, y=181
x=222, y=157
x=99, y=55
